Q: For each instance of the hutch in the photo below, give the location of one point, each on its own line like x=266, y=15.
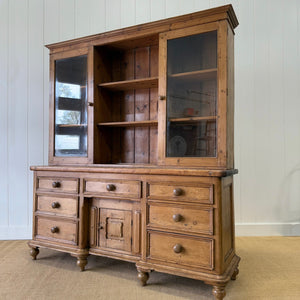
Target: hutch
x=141, y=149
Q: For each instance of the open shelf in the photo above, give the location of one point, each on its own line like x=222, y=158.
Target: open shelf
x=129, y=124
x=206, y=74
x=192, y=119
x=144, y=83
x=71, y=125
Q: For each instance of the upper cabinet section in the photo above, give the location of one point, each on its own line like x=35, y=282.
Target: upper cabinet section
x=160, y=93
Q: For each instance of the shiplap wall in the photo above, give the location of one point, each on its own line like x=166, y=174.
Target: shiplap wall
x=267, y=93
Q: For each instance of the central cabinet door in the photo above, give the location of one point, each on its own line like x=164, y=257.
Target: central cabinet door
x=115, y=226
x=115, y=229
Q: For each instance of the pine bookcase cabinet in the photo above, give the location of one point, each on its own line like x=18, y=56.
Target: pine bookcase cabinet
x=141, y=147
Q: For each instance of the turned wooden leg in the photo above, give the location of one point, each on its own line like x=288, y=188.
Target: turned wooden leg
x=81, y=262
x=235, y=273
x=34, y=252
x=219, y=291
x=143, y=277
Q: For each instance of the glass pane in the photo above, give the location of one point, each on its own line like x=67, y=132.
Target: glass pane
x=192, y=96
x=71, y=106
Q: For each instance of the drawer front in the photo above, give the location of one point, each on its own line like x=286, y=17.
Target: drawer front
x=63, y=206
x=191, y=219
x=177, y=249
x=193, y=192
x=66, y=185
x=113, y=188
x=57, y=230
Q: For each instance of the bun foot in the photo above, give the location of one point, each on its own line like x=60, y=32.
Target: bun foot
x=235, y=273
x=81, y=262
x=143, y=277
x=34, y=252
x=219, y=291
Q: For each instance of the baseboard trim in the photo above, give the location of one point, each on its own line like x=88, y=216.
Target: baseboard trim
x=15, y=232
x=267, y=229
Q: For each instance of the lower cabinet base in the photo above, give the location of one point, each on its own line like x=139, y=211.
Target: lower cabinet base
x=218, y=282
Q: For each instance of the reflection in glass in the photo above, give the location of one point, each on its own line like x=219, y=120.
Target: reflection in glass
x=70, y=106
x=192, y=96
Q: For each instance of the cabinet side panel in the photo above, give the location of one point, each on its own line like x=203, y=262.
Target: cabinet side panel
x=230, y=99
x=227, y=219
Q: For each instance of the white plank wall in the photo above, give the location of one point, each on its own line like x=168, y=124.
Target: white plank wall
x=267, y=93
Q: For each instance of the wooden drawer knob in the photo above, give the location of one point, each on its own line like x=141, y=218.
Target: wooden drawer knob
x=162, y=97
x=54, y=229
x=55, y=205
x=56, y=184
x=110, y=187
x=177, y=217
x=177, y=248
x=177, y=192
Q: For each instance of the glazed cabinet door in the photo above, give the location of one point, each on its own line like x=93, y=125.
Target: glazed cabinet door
x=192, y=89
x=69, y=116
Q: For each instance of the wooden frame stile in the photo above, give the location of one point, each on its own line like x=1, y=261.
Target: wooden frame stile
x=52, y=159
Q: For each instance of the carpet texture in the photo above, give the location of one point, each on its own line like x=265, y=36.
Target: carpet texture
x=269, y=269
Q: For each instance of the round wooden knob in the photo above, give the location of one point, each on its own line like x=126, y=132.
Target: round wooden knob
x=162, y=97
x=110, y=187
x=56, y=184
x=177, y=248
x=54, y=229
x=177, y=192
x=177, y=217
x=55, y=205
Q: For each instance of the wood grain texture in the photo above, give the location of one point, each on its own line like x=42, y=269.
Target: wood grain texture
x=61, y=206
x=196, y=252
x=66, y=231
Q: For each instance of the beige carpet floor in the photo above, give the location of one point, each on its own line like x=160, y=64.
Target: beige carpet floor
x=269, y=269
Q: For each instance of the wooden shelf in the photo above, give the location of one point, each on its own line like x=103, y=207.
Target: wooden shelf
x=144, y=83
x=71, y=125
x=207, y=74
x=129, y=124
x=192, y=119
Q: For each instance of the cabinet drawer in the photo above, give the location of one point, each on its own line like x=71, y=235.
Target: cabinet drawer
x=193, y=192
x=66, y=185
x=63, y=206
x=113, y=188
x=57, y=230
x=191, y=218
x=181, y=250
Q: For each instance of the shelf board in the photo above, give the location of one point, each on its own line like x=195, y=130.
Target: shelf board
x=71, y=125
x=192, y=119
x=206, y=74
x=144, y=83
x=129, y=124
